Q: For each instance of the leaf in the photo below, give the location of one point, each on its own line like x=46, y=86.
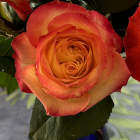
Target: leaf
x=11, y=84
x=3, y=77
x=113, y=6
x=5, y=46
x=4, y=28
x=12, y=15
x=7, y=65
x=2, y=13
x=6, y=80
x=43, y=127
x=7, y=31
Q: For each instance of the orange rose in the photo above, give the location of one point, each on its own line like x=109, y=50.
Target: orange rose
x=69, y=58
x=22, y=7
x=132, y=44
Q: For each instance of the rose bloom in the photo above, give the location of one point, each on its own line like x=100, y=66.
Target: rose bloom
x=69, y=58
x=22, y=7
x=132, y=44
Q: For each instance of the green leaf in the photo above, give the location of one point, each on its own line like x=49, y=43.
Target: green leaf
x=3, y=77
x=43, y=127
x=2, y=13
x=11, y=84
x=6, y=80
x=113, y=6
x=5, y=46
x=3, y=28
x=7, y=65
x=12, y=15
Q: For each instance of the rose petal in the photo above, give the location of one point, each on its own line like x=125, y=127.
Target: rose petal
x=52, y=105
x=37, y=28
x=78, y=20
x=25, y=54
x=132, y=44
x=116, y=80
x=107, y=26
x=110, y=62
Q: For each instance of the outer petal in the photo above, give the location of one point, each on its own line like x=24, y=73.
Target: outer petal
x=107, y=26
x=132, y=45
x=53, y=106
x=22, y=7
x=116, y=80
x=25, y=54
x=78, y=20
x=37, y=24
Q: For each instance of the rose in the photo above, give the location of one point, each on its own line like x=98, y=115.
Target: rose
x=68, y=58
x=132, y=44
x=22, y=7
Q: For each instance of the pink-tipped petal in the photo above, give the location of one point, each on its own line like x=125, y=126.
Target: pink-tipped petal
x=25, y=54
x=116, y=80
x=107, y=26
x=37, y=24
x=52, y=105
x=78, y=20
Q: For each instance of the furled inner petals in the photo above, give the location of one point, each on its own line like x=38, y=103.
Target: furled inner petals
x=73, y=55
x=72, y=58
